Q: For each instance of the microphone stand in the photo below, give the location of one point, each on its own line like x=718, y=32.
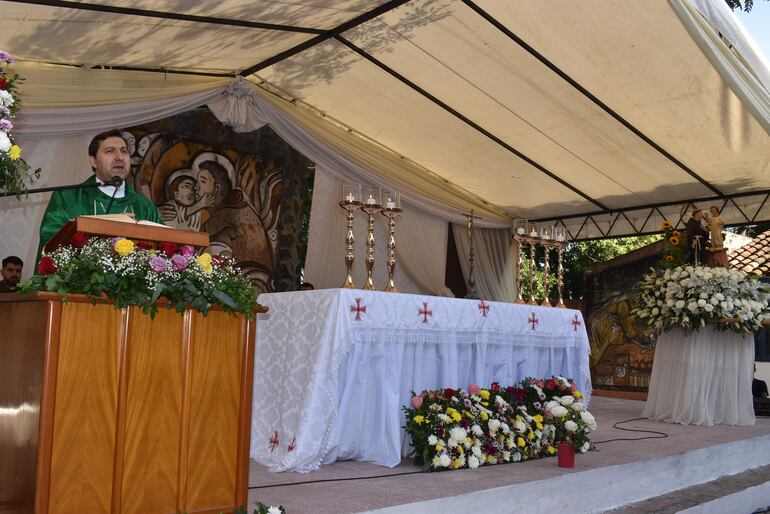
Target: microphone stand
x=115, y=182
x=64, y=188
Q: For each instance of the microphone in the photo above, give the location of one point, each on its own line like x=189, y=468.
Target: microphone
x=115, y=182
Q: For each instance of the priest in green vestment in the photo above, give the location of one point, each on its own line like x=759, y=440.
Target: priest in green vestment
x=109, y=157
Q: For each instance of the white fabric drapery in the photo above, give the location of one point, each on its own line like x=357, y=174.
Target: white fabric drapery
x=702, y=378
x=495, y=263
x=332, y=368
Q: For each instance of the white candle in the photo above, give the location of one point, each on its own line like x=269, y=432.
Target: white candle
x=390, y=204
x=520, y=231
x=370, y=200
x=350, y=198
x=533, y=234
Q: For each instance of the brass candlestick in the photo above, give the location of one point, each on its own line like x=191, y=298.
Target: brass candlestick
x=391, y=213
x=546, y=274
x=350, y=207
x=370, y=209
x=520, y=240
x=560, y=275
x=532, y=251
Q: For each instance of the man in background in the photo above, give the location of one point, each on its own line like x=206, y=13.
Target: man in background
x=11, y=273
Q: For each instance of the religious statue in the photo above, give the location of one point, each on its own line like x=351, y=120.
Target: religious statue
x=716, y=225
x=697, y=233
x=716, y=249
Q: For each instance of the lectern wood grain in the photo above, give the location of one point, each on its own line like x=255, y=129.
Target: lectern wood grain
x=136, y=415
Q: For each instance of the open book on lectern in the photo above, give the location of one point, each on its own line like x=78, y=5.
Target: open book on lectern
x=123, y=225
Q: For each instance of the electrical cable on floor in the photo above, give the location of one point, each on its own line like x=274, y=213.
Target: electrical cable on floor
x=658, y=435
x=336, y=480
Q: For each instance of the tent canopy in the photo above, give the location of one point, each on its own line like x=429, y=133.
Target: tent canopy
x=533, y=109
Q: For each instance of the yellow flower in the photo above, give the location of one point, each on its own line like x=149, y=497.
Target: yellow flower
x=665, y=225
x=673, y=240
x=484, y=416
x=457, y=463
x=204, y=261
x=484, y=394
x=467, y=414
x=419, y=419
x=439, y=447
x=124, y=247
x=485, y=404
x=539, y=425
x=14, y=153
x=491, y=459
x=577, y=394
x=551, y=450
x=538, y=418
x=669, y=258
x=520, y=442
x=676, y=233
x=531, y=435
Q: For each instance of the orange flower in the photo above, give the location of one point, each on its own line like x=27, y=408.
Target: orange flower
x=673, y=240
x=676, y=233
x=665, y=225
x=669, y=258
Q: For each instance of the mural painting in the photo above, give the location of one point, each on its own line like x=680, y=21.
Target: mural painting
x=228, y=185
x=622, y=349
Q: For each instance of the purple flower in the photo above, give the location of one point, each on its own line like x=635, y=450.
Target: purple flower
x=187, y=250
x=537, y=406
x=4, y=111
x=158, y=264
x=5, y=56
x=179, y=262
x=467, y=403
x=5, y=125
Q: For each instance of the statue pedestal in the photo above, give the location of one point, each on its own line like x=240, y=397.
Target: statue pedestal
x=717, y=257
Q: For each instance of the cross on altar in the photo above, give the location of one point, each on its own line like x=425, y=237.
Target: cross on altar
x=274, y=441
x=292, y=445
x=533, y=321
x=424, y=312
x=575, y=323
x=358, y=309
x=483, y=308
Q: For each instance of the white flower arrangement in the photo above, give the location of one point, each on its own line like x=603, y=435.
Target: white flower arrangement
x=691, y=297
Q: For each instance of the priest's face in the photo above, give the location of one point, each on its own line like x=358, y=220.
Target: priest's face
x=111, y=159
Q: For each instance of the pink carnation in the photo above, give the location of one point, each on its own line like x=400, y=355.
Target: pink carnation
x=416, y=402
x=474, y=389
x=187, y=250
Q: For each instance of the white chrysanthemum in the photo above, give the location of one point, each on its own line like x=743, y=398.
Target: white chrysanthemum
x=458, y=434
x=477, y=430
x=494, y=426
x=5, y=143
x=6, y=99
x=444, y=461
x=432, y=440
x=473, y=462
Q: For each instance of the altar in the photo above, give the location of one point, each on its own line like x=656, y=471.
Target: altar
x=334, y=367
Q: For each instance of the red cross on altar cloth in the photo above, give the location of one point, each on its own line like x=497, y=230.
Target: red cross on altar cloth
x=533, y=321
x=424, y=312
x=575, y=323
x=273, y=443
x=483, y=308
x=358, y=309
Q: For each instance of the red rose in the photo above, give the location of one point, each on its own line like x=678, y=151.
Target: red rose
x=167, y=248
x=551, y=384
x=449, y=392
x=218, y=260
x=495, y=386
x=144, y=245
x=46, y=266
x=79, y=240
x=3, y=84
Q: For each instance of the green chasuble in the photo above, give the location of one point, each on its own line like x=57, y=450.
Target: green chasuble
x=71, y=203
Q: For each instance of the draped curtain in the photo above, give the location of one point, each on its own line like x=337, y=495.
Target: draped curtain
x=494, y=261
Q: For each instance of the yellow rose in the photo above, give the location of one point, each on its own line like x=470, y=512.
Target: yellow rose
x=204, y=261
x=484, y=394
x=124, y=247
x=14, y=153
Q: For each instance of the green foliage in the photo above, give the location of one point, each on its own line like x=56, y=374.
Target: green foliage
x=133, y=276
x=745, y=5
x=578, y=257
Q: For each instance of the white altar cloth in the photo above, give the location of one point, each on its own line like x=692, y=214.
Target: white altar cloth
x=334, y=367
x=702, y=378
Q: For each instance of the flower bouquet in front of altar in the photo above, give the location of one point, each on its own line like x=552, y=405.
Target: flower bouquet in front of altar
x=454, y=428
x=691, y=297
x=135, y=273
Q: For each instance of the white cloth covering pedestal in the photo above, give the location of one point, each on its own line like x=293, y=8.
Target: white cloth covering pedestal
x=702, y=378
x=334, y=367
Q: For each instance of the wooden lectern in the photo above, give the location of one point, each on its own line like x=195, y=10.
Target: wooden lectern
x=106, y=410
